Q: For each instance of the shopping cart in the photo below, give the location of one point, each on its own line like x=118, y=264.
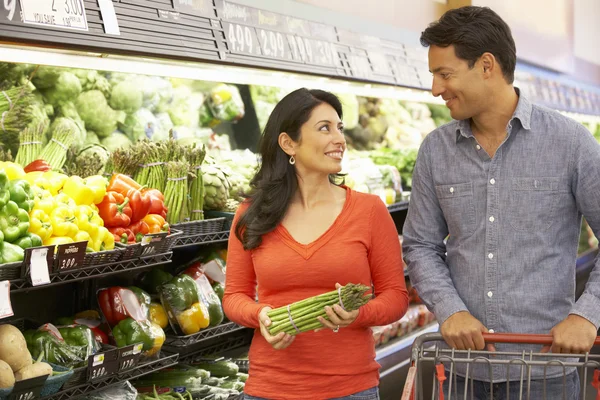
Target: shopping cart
x=427, y=354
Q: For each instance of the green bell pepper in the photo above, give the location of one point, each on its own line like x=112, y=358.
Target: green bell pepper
x=29, y=240
x=14, y=222
x=129, y=331
x=51, y=349
x=11, y=253
x=180, y=293
x=154, y=279
x=4, y=192
x=80, y=336
x=21, y=193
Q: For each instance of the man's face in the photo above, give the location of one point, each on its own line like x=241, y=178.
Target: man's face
x=461, y=87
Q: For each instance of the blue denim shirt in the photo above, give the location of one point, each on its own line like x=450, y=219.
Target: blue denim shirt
x=514, y=223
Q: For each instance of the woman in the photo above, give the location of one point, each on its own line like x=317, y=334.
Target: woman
x=299, y=234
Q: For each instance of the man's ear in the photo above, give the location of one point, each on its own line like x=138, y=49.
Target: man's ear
x=287, y=144
x=488, y=62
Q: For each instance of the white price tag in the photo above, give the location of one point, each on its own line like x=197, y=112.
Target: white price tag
x=39, y=267
x=5, y=305
x=137, y=349
x=69, y=14
x=98, y=360
x=109, y=17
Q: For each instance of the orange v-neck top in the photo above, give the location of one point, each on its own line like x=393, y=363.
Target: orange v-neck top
x=361, y=246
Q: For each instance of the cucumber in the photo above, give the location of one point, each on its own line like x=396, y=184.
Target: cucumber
x=242, y=377
x=213, y=381
x=239, y=386
x=219, y=369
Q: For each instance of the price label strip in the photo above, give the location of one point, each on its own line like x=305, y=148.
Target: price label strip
x=129, y=356
x=38, y=260
x=66, y=14
x=9, y=10
x=70, y=256
x=241, y=39
x=28, y=389
x=152, y=243
x=5, y=304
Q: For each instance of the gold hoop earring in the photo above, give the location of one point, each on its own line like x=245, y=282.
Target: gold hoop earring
x=292, y=160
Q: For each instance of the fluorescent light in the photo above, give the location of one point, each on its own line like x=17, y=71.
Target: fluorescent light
x=204, y=71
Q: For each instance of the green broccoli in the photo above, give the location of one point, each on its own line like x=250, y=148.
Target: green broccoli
x=127, y=96
x=67, y=88
x=96, y=113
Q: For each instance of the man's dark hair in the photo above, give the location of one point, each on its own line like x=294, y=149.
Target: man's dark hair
x=474, y=31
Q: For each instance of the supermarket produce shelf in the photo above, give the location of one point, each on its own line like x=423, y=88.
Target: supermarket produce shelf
x=232, y=341
x=400, y=206
x=77, y=392
x=209, y=238
x=96, y=271
x=175, y=343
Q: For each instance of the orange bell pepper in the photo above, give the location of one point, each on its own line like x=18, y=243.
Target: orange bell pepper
x=156, y=223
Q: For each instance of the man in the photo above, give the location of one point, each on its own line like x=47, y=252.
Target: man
x=508, y=181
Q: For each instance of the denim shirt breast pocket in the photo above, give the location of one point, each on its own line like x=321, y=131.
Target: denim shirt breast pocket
x=532, y=203
x=458, y=207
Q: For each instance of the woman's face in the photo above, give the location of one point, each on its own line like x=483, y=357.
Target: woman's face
x=322, y=143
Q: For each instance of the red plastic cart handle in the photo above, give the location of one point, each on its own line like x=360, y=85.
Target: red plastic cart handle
x=523, y=338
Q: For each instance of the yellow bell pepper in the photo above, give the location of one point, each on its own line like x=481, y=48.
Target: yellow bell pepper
x=63, y=221
x=57, y=240
x=98, y=184
x=158, y=334
x=88, y=219
x=37, y=179
x=43, y=200
x=193, y=319
x=158, y=315
x=13, y=171
x=77, y=190
x=56, y=181
x=40, y=224
x=62, y=199
x=83, y=236
x=103, y=240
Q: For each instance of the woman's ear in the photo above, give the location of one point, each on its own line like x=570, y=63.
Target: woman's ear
x=287, y=144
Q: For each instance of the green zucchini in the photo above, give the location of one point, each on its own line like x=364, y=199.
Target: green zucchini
x=213, y=381
x=242, y=377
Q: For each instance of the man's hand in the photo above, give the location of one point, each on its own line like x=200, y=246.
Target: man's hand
x=463, y=331
x=574, y=335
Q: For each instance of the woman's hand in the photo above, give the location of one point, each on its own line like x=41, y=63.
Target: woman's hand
x=279, y=341
x=338, y=318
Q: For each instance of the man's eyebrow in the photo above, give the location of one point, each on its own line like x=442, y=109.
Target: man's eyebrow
x=438, y=69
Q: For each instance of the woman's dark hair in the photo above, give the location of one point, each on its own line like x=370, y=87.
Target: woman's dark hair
x=473, y=31
x=276, y=182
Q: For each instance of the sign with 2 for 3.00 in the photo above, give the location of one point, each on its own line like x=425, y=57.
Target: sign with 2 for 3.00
x=68, y=14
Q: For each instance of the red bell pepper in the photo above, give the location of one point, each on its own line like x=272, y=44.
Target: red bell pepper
x=122, y=235
x=94, y=325
x=158, y=202
x=99, y=335
x=37, y=165
x=140, y=229
x=195, y=271
x=115, y=210
x=118, y=303
x=140, y=202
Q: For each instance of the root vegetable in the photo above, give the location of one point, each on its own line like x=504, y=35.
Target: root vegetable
x=33, y=371
x=13, y=348
x=7, y=377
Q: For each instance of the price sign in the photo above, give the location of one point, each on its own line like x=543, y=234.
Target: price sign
x=37, y=260
x=152, y=244
x=70, y=256
x=311, y=51
x=274, y=44
x=380, y=63
x=28, y=389
x=361, y=68
x=5, y=305
x=69, y=14
x=196, y=7
x=9, y=10
x=129, y=356
x=241, y=39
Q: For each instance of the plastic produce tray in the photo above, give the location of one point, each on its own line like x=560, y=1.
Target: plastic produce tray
x=131, y=251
